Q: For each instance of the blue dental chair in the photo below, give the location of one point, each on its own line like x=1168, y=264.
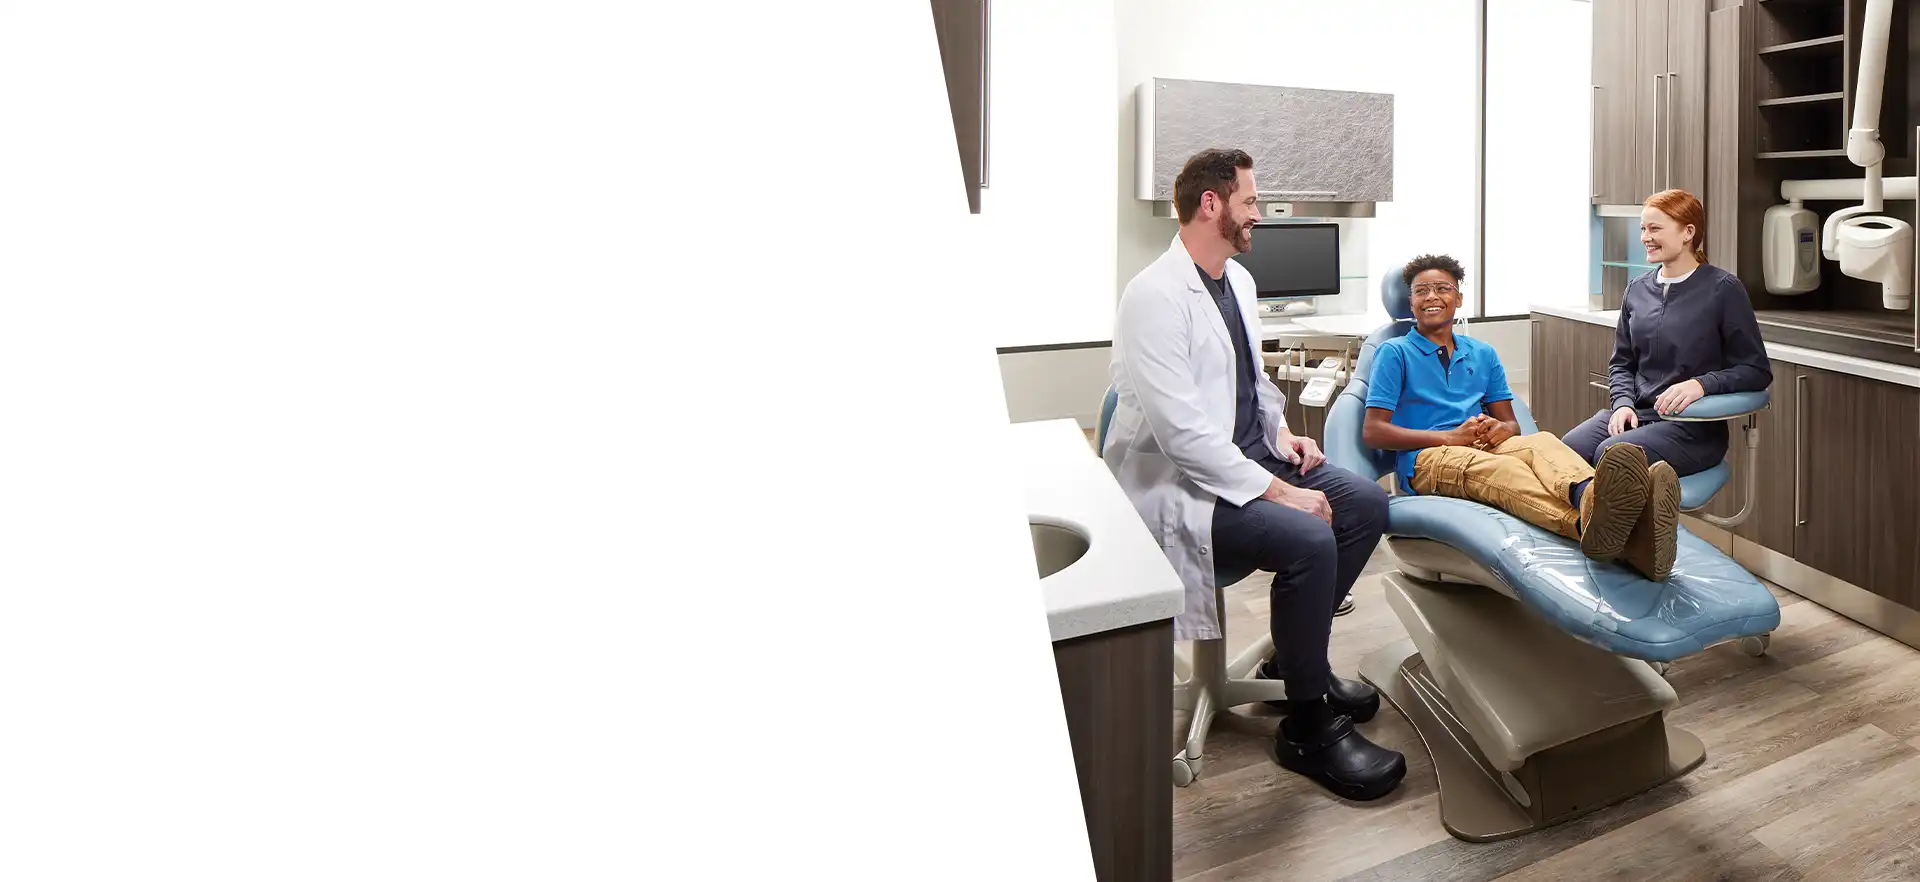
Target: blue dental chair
x=1533, y=673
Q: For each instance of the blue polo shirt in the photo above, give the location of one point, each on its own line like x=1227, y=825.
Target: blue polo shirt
x=1429, y=393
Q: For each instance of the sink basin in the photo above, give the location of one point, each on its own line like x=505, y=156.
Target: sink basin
x=1056, y=547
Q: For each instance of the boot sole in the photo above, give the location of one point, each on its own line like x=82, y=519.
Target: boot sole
x=1666, y=520
x=1357, y=791
x=1623, y=486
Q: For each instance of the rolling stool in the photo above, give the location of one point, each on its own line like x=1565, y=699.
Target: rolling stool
x=1205, y=682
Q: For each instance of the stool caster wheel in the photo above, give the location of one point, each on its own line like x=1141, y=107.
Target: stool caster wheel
x=1184, y=771
x=1756, y=646
x=1661, y=668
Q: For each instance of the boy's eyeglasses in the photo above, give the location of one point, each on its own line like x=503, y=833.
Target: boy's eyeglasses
x=1442, y=288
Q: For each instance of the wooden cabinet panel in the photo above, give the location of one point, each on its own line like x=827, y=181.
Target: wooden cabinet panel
x=1858, y=513
x=1613, y=101
x=1772, y=523
x=1684, y=101
x=961, y=28
x=1568, y=378
x=1650, y=98
x=1726, y=144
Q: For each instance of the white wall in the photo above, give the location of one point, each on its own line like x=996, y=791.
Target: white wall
x=1421, y=51
x=1048, y=227
x=1539, y=137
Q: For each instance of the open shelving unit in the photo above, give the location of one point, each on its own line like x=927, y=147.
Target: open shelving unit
x=1804, y=71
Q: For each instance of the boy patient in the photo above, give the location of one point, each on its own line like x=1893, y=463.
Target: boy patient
x=1442, y=402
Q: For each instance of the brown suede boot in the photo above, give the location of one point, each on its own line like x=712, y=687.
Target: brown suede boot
x=1614, y=501
x=1653, y=543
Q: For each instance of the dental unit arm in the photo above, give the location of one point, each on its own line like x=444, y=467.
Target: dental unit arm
x=1867, y=243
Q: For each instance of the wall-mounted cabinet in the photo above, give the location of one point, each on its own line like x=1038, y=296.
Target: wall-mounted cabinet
x=1650, y=98
x=1316, y=146
x=962, y=28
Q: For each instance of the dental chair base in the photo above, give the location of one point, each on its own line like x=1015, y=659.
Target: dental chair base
x=1527, y=727
x=1206, y=684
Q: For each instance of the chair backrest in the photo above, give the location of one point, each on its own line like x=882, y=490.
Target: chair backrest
x=1342, y=444
x=1107, y=405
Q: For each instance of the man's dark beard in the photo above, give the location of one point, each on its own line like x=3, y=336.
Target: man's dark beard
x=1230, y=230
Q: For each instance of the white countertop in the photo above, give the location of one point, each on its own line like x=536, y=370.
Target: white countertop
x=1124, y=579
x=1814, y=358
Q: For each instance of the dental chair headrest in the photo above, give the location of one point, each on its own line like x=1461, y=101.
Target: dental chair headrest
x=1395, y=296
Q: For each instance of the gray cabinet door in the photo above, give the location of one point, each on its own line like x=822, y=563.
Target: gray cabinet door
x=1614, y=65
x=1649, y=100
x=1685, y=98
x=1308, y=145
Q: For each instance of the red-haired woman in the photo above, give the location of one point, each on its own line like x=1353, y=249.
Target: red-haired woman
x=1686, y=330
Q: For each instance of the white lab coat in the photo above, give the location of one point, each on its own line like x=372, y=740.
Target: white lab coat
x=1170, y=443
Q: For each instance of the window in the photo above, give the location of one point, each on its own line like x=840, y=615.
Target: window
x=1539, y=217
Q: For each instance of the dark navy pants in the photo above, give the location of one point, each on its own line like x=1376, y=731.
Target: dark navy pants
x=1314, y=565
x=1688, y=447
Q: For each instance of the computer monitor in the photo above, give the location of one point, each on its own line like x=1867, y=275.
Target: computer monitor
x=1291, y=260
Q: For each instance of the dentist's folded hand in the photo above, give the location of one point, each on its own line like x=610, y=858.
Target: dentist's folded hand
x=1301, y=451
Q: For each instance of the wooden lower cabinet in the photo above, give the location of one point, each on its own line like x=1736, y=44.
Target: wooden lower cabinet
x=1115, y=687
x=1773, y=521
x=1859, y=463
x=1567, y=379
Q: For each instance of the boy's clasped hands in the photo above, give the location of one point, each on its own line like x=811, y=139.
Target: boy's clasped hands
x=1482, y=432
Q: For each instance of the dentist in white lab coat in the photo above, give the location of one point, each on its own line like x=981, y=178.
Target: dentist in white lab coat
x=1198, y=442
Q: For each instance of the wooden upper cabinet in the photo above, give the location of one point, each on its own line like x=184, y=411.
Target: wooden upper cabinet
x=963, y=29
x=1650, y=98
x=1613, y=101
x=1685, y=102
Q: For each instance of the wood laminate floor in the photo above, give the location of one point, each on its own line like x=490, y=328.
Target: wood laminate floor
x=1812, y=772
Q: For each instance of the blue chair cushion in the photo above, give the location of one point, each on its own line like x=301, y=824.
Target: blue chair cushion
x=1107, y=405
x=1698, y=488
x=1709, y=598
x=1396, y=296
x=1725, y=406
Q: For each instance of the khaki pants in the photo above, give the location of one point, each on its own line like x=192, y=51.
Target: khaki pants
x=1527, y=476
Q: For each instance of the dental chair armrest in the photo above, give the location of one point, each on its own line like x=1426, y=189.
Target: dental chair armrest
x=1725, y=406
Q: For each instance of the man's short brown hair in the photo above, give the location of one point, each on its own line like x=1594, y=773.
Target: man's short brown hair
x=1214, y=169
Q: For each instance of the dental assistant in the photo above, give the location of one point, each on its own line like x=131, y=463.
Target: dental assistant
x=1686, y=331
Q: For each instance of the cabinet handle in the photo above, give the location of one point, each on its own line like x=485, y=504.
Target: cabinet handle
x=1600, y=386
x=1799, y=446
x=1593, y=153
x=1671, y=76
x=1653, y=137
